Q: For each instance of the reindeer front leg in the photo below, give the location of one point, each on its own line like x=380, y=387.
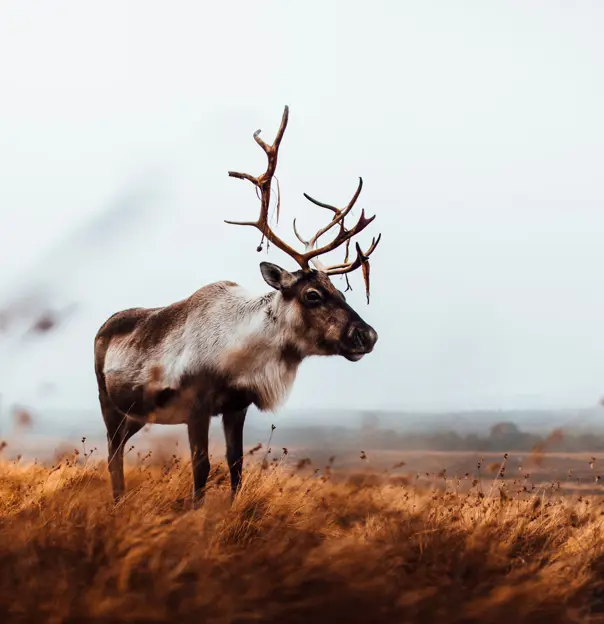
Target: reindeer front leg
x=232, y=423
x=198, y=428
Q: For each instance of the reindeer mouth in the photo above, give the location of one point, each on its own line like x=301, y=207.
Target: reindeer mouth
x=353, y=357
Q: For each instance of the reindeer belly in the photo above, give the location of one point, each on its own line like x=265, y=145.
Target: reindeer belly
x=169, y=406
x=173, y=406
x=176, y=410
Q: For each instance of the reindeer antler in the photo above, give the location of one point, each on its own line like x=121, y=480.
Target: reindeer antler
x=312, y=252
x=362, y=259
x=263, y=184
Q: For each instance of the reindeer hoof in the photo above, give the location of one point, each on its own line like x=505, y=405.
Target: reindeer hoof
x=186, y=504
x=116, y=499
x=180, y=504
x=197, y=503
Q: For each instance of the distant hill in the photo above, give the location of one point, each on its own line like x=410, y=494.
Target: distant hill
x=69, y=422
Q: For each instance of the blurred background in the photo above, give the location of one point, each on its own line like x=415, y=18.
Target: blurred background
x=478, y=131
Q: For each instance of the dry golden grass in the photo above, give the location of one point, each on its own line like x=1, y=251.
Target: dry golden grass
x=294, y=547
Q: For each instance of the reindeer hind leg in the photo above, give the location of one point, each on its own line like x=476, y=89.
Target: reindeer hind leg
x=120, y=429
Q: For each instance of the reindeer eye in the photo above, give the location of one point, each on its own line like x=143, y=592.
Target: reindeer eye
x=313, y=296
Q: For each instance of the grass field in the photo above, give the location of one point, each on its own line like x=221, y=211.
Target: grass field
x=298, y=545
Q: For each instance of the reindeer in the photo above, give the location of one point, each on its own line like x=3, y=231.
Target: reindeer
x=222, y=349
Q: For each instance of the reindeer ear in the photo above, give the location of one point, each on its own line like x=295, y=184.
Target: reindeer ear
x=275, y=276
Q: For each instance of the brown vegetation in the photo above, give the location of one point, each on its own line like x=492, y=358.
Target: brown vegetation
x=297, y=545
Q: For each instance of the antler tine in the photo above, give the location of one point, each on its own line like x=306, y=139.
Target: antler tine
x=362, y=260
x=304, y=242
x=272, y=149
x=307, y=245
x=323, y=205
x=333, y=208
x=340, y=213
x=347, y=267
x=263, y=184
x=342, y=236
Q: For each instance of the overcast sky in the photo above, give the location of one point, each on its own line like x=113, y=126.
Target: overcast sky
x=478, y=129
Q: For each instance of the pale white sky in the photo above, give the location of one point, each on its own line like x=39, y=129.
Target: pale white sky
x=477, y=127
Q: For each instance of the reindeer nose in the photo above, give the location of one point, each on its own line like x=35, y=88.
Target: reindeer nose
x=364, y=338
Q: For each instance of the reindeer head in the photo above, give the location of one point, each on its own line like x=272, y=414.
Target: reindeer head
x=320, y=322
x=320, y=319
